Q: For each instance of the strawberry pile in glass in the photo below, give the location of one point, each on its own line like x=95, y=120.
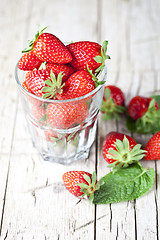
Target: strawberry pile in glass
x=62, y=92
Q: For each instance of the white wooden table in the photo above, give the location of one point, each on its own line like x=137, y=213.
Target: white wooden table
x=34, y=203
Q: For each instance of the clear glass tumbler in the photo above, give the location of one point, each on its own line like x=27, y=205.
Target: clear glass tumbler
x=62, y=130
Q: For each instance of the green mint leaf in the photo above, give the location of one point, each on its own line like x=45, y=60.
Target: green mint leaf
x=124, y=185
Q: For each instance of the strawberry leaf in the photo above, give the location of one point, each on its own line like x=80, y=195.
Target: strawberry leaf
x=31, y=42
x=107, y=93
x=109, y=108
x=98, y=59
x=149, y=122
x=123, y=156
x=44, y=118
x=101, y=59
x=53, y=86
x=157, y=98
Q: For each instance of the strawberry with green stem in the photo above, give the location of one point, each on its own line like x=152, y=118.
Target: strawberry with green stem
x=120, y=150
x=78, y=84
x=81, y=183
x=113, y=103
x=29, y=61
x=86, y=53
x=143, y=115
x=47, y=47
x=43, y=83
x=56, y=68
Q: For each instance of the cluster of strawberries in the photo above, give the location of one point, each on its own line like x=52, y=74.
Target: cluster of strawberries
x=121, y=150
x=59, y=71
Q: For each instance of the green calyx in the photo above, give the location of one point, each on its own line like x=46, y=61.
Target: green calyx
x=91, y=186
x=94, y=78
x=101, y=59
x=109, y=108
x=123, y=156
x=43, y=66
x=53, y=86
x=31, y=42
x=150, y=120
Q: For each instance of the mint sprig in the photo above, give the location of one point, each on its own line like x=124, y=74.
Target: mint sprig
x=126, y=184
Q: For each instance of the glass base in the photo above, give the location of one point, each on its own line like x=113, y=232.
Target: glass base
x=63, y=146
x=66, y=161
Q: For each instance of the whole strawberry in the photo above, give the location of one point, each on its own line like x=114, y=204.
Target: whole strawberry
x=43, y=83
x=113, y=103
x=143, y=115
x=120, y=150
x=29, y=61
x=86, y=54
x=65, y=115
x=153, y=147
x=47, y=47
x=78, y=84
x=31, y=99
x=139, y=105
x=81, y=183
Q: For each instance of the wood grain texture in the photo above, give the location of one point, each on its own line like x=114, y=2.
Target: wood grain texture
x=34, y=203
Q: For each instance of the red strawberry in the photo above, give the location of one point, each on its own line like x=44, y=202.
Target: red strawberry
x=52, y=136
x=121, y=150
x=29, y=61
x=36, y=81
x=113, y=102
x=65, y=115
x=43, y=83
x=66, y=70
x=39, y=113
x=79, y=84
x=139, y=105
x=153, y=147
x=25, y=85
x=30, y=98
x=47, y=47
x=80, y=183
x=91, y=54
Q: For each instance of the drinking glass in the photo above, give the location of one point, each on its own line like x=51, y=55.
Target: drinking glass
x=67, y=138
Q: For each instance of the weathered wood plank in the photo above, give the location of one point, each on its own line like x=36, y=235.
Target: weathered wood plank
x=37, y=206
x=10, y=44
x=146, y=229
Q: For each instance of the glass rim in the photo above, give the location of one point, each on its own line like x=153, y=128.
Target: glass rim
x=56, y=100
